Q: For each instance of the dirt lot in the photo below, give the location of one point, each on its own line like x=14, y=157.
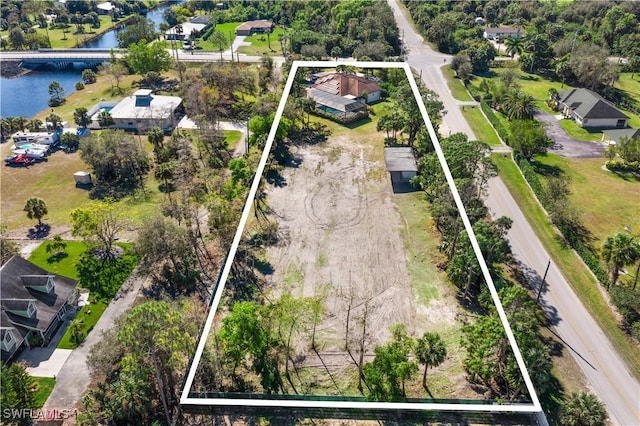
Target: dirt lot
x=344, y=240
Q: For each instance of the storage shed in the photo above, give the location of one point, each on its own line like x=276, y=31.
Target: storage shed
x=401, y=163
x=82, y=178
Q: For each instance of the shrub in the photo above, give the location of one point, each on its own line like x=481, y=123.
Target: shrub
x=625, y=167
x=79, y=85
x=502, y=132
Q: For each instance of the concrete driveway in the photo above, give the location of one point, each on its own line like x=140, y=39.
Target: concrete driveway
x=565, y=145
x=47, y=361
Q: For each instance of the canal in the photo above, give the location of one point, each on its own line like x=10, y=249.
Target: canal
x=29, y=94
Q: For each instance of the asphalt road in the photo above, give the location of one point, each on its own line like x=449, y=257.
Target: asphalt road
x=607, y=374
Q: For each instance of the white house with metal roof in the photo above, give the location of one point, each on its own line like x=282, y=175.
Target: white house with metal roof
x=143, y=110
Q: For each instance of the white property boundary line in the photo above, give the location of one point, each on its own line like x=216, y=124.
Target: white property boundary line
x=265, y=402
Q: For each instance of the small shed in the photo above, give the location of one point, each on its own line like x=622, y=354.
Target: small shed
x=400, y=163
x=82, y=178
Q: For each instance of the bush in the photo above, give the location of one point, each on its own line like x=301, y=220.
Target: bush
x=627, y=300
x=625, y=167
x=531, y=177
x=79, y=85
x=502, y=132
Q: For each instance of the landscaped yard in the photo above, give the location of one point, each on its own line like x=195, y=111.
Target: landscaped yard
x=260, y=44
x=227, y=29
x=580, y=133
x=43, y=388
x=65, y=264
x=89, y=315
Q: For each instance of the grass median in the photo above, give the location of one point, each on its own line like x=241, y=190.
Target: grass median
x=572, y=268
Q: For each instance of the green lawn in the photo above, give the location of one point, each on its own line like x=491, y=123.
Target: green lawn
x=596, y=205
x=228, y=29
x=580, y=133
x=573, y=269
x=233, y=138
x=63, y=265
x=480, y=126
x=43, y=388
x=260, y=44
x=455, y=84
x=89, y=315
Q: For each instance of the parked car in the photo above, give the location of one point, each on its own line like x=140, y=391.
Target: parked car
x=18, y=160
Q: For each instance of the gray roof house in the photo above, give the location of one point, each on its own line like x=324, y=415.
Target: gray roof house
x=616, y=135
x=589, y=109
x=32, y=302
x=335, y=104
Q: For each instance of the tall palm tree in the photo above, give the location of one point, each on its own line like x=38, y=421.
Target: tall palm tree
x=583, y=409
x=430, y=351
x=619, y=250
x=520, y=106
x=36, y=208
x=514, y=46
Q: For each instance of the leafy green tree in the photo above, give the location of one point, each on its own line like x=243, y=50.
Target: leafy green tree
x=480, y=55
x=138, y=29
x=629, y=149
x=88, y=76
x=56, y=94
x=618, y=251
x=219, y=39
x=98, y=224
x=36, y=208
x=538, y=50
x=406, y=103
x=16, y=391
x=56, y=246
x=529, y=138
x=430, y=351
x=583, y=409
x=391, y=367
x=591, y=66
x=34, y=125
x=54, y=119
x=8, y=248
x=143, y=57
x=76, y=328
x=17, y=38
x=81, y=117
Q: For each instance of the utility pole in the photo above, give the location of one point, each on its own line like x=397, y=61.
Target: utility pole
x=543, y=279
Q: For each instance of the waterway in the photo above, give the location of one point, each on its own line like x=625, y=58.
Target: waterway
x=29, y=94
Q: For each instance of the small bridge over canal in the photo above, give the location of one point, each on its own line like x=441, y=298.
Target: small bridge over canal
x=59, y=58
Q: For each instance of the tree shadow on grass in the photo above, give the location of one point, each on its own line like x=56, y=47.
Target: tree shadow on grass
x=57, y=257
x=546, y=169
x=39, y=232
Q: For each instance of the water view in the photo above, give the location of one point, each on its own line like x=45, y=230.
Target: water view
x=28, y=94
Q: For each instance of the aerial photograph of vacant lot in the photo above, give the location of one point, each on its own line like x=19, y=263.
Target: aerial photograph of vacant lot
x=335, y=289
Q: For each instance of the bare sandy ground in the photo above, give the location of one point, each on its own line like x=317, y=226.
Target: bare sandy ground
x=344, y=242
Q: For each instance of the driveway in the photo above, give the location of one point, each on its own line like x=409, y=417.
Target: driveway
x=565, y=145
x=46, y=361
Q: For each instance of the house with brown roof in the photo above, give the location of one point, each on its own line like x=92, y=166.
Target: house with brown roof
x=589, y=109
x=348, y=85
x=254, y=27
x=33, y=303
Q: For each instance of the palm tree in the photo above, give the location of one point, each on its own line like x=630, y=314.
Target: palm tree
x=36, y=208
x=619, y=250
x=75, y=329
x=537, y=45
x=430, y=351
x=583, y=409
x=514, y=46
x=520, y=106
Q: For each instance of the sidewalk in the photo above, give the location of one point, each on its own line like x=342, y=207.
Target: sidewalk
x=74, y=377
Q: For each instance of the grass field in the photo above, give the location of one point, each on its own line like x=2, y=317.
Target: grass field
x=43, y=388
x=63, y=265
x=228, y=29
x=580, y=133
x=586, y=176
x=581, y=280
x=480, y=126
x=260, y=44
x=455, y=84
x=89, y=315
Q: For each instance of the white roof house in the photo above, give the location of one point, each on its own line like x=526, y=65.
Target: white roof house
x=183, y=31
x=143, y=110
x=105, y=8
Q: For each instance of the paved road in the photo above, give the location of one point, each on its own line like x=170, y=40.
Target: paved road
x=74, y=377
x=600, y=363
x=565, y=145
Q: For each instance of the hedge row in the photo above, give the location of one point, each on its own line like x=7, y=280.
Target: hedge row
x=587, y=255
x=495, y=122
x=618, y=166
x=339, y=119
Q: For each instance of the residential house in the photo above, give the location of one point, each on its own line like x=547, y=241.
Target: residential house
x=105, y=8
x=498, y=33
x=400, y=163
x=33, y=304
x=589, y=109
x=143, y=111
x=184, y=30
x=254, y=27
x=614, y=136
x=341, y=106
x=350, y=85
